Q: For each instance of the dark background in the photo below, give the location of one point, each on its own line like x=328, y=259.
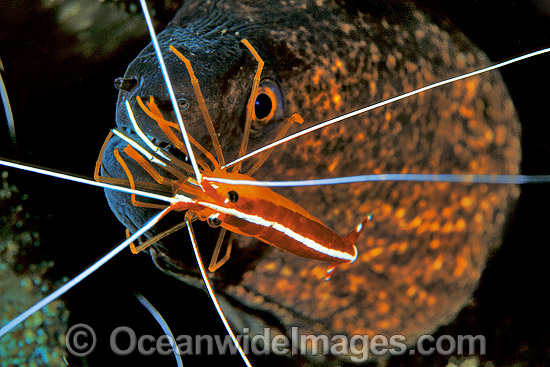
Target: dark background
x=64, y=103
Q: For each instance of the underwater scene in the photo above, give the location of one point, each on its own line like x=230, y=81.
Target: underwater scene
x=438, y=259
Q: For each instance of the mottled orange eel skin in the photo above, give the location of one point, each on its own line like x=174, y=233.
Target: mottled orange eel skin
x=422, y=255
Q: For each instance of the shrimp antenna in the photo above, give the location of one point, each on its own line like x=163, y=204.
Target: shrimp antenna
x=7, y=107
x=19, y=319
x=197, y=174
x=87, y=181
x=386, y=102
x=163, y=324
x=411, y=177
x=171, y=93
x=213, y=295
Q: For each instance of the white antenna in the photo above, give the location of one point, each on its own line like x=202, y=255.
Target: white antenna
x=198, y=176
x=213, y=296
x=19, y=319
x=170, y=90
x=7, y=106
x=412, y=177
x=384, y=103
x=65, y=176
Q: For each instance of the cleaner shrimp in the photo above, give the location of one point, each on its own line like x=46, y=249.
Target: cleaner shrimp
x=94, y=199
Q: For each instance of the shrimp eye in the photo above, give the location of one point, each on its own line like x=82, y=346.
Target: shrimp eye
x=268, y=105
x=232, y=196
x=214, y=222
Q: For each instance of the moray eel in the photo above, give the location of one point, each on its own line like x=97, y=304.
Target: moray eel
x=422, y=255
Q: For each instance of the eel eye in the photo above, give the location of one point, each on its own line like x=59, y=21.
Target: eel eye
x=214, y=222
x=268, y=105
x=232, y=196
x=264, y=107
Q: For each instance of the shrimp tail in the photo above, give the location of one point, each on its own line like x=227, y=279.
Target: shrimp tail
x=350, y=239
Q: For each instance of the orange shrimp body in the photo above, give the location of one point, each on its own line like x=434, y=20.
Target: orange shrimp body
x=253, y=211
x=269, y=217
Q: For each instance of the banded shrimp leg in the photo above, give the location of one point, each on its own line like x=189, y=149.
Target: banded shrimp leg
x=133, y=259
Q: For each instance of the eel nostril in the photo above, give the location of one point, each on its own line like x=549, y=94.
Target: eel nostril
x=126, y=84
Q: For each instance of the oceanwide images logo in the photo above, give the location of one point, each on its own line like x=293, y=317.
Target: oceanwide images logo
x=81, y=341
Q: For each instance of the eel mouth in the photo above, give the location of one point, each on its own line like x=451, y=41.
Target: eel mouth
x=169, y=149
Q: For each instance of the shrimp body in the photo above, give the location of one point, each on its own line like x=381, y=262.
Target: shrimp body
x=271, y=218
x=251, y=211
